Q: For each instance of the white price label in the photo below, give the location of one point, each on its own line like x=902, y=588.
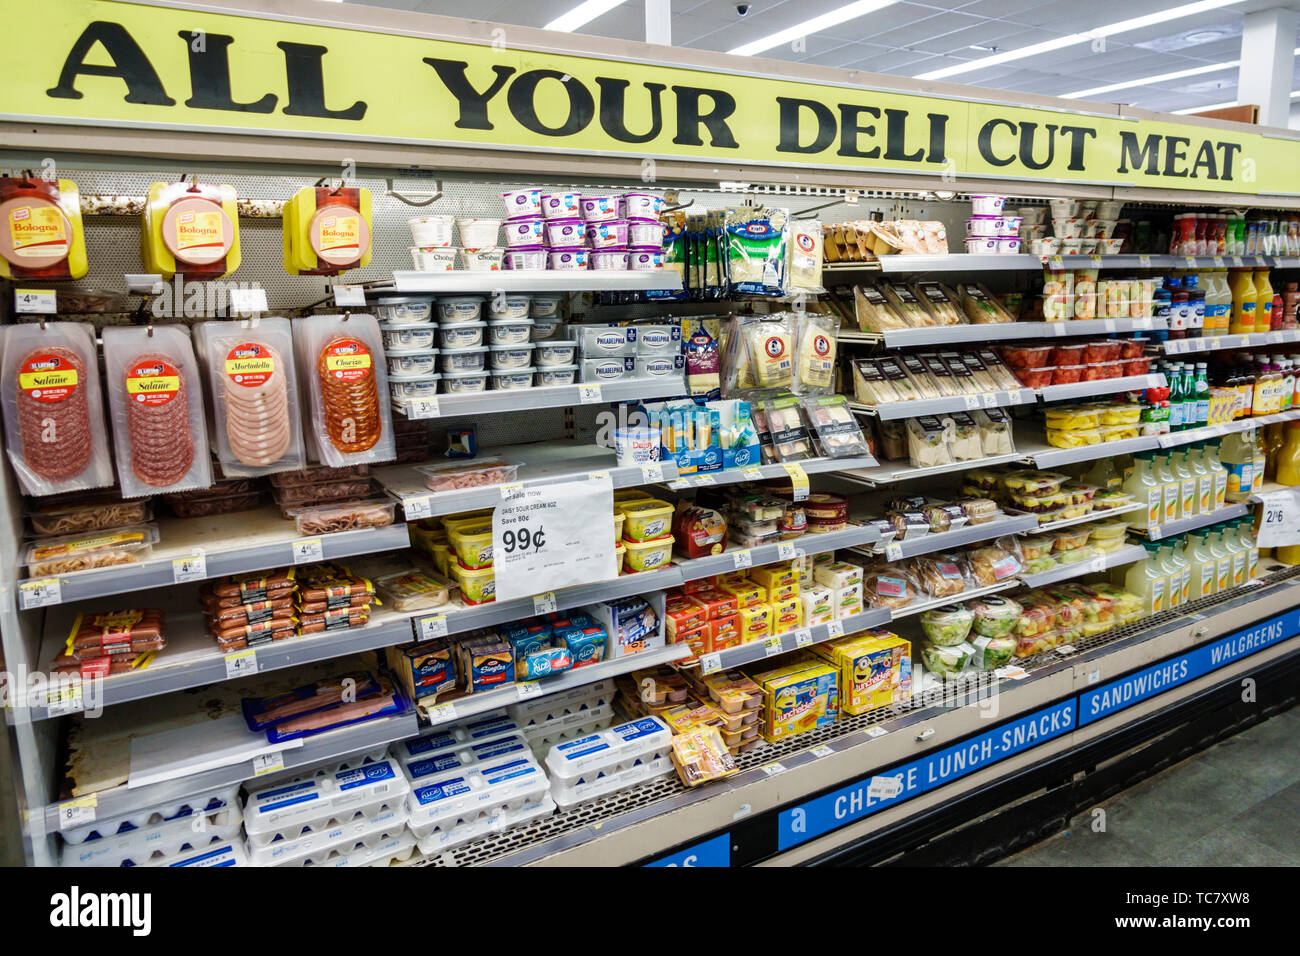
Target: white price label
x=416, y=508
x=651, y=473
x=420, y=408
x=752, y=473
x=1012, y=672
x=510, y=487
x=989, y=399
x=433, y=626
x=1109, y=325
x=772, y=646
x=247, y=301
x=193, y=568
x=346, y=296
x=1143, y=323
x=1144, y=262
x=528, y=689
x=1279, y=518
x=677, y=484
x=34, y=301
x=1167, y=441
x=772, y=769
x=306, y=550
x=64, y=697
x=874, y=732
x=544, y=603
x=1236, y=262
x=972, y=401
x=1218, y=262
x=710, y=663
x=541, y=539
x=441, y=713
x=40, y=592
x=268, y=763
x=884, y=788
x=705, y=480
x=76, y=813
x=822, y=751
x=588, y=394
x=1056, y=263
x=742, y=559
x=1094, y=675
x=1058, y=329
x=1191, y=261
x=803, y=637
x=241, y=663
x=1215, y=343
x=1065, y=650
x=893, y=552
x=1096, y=261
x=1097, y=564
x=835, y=629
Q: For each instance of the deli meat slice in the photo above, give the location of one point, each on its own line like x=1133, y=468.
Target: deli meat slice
x=53, y=418
x=350, y=394
x=158, y=419
x=336, y=715
x=258, y=425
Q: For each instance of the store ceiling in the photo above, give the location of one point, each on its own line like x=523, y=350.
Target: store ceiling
x=915, y=37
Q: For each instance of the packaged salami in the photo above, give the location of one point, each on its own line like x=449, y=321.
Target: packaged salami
x=341, y=362
x=53, y=413
x=254, y=395
x=155, y=402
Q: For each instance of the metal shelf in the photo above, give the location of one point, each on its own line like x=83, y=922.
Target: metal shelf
x=1182, y=525
x=953, y=403
x=1046, y=456
x=894, y=471
x=953, y=262
x=730, y=476
x=1125, y=555
x=917, y=607
x=603, y=280
x=964, y=262
x=802, y=637
x=1105, y=386
x=1238, y=341
x=692, y=569
x=1084, y=519
x=542, y=396
x=468, y=706
x=944, y=336
x=943, y=540
x=264, y=539
x=540, y=464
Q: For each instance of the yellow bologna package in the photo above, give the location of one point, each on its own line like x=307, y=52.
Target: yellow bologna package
x=326, y=231
x=814, y=371
x=190, y=228
x=42, y=236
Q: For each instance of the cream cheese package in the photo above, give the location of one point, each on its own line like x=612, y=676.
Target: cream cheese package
x=597, y=341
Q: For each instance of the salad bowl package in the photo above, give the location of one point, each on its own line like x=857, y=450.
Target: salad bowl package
x=947, y=660
x=994, y=616
x=947, y=626
x=992, y=652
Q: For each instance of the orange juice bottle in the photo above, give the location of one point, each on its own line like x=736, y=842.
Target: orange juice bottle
x=1244, y=299
x=1263, y=302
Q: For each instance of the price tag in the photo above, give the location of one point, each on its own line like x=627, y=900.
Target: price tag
x=1096, y=261
x=63, y=697
x=1144, y=262
x=877, y=731
x=884, y=788
x=1012, y=672
x=40, y=592
x=528, y=689
x=835, y=629
x=772, y=769
x=652, y=473
x=433, y=626
x=241, y=663
x=34, y=301
x=1215, y=343
x=588, y=394
x=193, y=568
x=893, y=552
x=1065, y=650
x=752, y=473
x=972, y=401
x=544, y=603
x=677, y=484
x=306, y=550
x=798, y=480
x=247, y=301
x=346, y=296
x=1094, y=675
x=419, y=408
x=1236, y=262
x=268, y=763
x=441, y=713
x=710, y=663
x=1279, y=518
x=1056, y=263
x=1141, y=324
x=1097, y=564
x=1109, y=325
x=705, y=480
x=822, y=751
x=417, y=508
x=785, y=551
x=803, y=637
x=989, y=399
x=1218, y=262
x=1167, y=441
x=742, y=559
x=1191, y=261
x=772, y=646
x=79, y=812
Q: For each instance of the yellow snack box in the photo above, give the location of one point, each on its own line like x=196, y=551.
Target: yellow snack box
x=755, y=623
x=782, y=593
x=797, y=698
x=787, y=615
x=746, y=593
x=875, y=669
x=774, y=576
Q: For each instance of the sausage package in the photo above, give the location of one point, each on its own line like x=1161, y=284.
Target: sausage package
x=343, y=374
x=253, y=388
x=155, y=400
x=53, y=410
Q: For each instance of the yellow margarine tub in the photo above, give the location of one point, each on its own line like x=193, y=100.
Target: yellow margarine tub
x=619, y=550
x=452, y=522
x=473, y=544
x=477, y=585
x=631, y=494
x=646, y=519
x=618, y=525
x=647, y=555
x=442, y=559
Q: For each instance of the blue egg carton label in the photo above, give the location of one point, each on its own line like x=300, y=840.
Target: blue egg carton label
x=442, y=791
x=370, y=774
x=274, y=800
x=582, y=747
x=638, y=728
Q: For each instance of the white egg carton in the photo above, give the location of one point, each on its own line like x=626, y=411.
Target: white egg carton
x=609, y=751
x=542, y=737
x=465, y=755
x=466, y=796
x=223, y=854
x=539, y=710
x=136, y=847
x=569, y=793
x=442, y=838
x=363, y=826
x=208, y=800
x=482, y=726
x=291, y=809
x=396, y=846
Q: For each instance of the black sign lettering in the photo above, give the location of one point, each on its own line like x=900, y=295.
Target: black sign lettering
x=306, y=81
x=690, y=119
x=613, y=109
x=210, y=77
x=850, y=130
x=522, y=100
x=1229, y=151
x=130, y=65
x=1206, y=163
x=1079, y=136
x=984, y=141
x=1132, y=156
x=1028, y=133
x=938, y=137
x=789, y=125
x=473, y=104
x=1175, y=153
x=896, y=138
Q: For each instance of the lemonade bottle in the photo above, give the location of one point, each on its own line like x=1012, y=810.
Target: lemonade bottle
x=1140, y=482
x=1288, y=456
x=1171, y=490
x=1184, y=567
x=1186, y=481
x=1238, y=456
x=1244, y=297
x=1218, y=301
x=1203, y=565
x=1222, y=559
x=1233, y=545
x=1173, y=575
x=1263, y=302
x=1217, y=471
x=1246, y=535
x=1147, y=579
x=1204, y=480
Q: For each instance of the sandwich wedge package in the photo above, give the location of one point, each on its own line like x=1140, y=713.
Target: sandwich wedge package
x=155, y=401
x=815, y=348
x=254, y=395
x=340, y=358
x=806, y=247
x=53, y=411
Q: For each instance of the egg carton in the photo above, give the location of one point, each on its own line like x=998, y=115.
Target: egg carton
x=464, y=756
x=465, y=732
x=396, y=846
x=137, y=846
x=208, y=800
x=441, y=838
x=539, y=710
x=465, y=796
x=590, y=787
x=288, y=810
x=315, y=843
x=542, y=737
x=609, y=751
x=230, y=853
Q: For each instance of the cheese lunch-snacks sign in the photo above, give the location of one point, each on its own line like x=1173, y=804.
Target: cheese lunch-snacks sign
x=133, y=64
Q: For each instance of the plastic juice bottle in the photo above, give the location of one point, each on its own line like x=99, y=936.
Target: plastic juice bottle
x=1244, y=297
x=1147, y=579
x=1170, y=489
x=1287, y=392
x=1222, y=559
x=1186, y=481
x=1182, y=567
x=1204, y=480
x=1201, y=559
x=1260, y=462
x=1290, y=302
x=1218, y=303
x=1246, y=535
x=1288, y=456
x=1140, y=482
x=1232, y=544
x=1173, y=375
x=1104, y=475
x=1278, y=314
x=1263, y=301
x=1202, y=389
x=1217, y=470
x=1274, y=435
x=1173, y=575
x=1239, y=458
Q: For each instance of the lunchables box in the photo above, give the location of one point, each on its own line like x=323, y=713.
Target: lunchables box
x=875, y=669
x=798, y=697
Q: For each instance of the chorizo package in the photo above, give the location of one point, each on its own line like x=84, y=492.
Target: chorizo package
x=155, y=399
x=341, y=362
x=53, y=411
x=253, y=389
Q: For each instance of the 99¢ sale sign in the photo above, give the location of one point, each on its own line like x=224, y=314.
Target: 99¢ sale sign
x=553, y=536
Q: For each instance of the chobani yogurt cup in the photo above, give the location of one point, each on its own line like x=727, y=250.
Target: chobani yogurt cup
x=481, y=260
x=643, y=206
x=565, y=233
x=478, y=233
x=433, y=258
x=522, y=203
x=600, y=208
x=644, y=259
x=532, y=257
x=562, y=205
x=431, y=230
x=641, y=233
x=609, y=259
x=568, y=258
x=608, y=235
x=522, y=233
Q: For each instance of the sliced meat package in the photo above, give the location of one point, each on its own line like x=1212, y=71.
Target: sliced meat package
x=253, y=388
x=156, y=401
x=53, y=408
x=341, y=365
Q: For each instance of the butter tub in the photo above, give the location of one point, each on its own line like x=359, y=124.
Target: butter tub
x=646, y=519
x=477, y=585
x=647, y=555
x=473, y=545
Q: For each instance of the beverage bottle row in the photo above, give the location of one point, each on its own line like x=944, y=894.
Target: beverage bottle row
x=1199, y=564
x=1177, y=483
x=1225, y=301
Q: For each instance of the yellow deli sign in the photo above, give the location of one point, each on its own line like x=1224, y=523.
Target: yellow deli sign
x=129, y=64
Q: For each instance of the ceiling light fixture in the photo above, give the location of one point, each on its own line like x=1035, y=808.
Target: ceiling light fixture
x=1110, y=29
x=835, y=17
x=1219, y=106
x=1149, y=80
x=582, y=14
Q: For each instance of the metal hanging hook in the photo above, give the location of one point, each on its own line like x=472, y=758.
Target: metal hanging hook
x=426, y=199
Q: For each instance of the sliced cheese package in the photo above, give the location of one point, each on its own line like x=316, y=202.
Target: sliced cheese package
x=814, y=367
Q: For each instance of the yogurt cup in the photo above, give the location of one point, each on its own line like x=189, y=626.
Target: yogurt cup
x=467, y=335
x=531, y=259
x=565, y=233
x=982, y=246
x=408, y=338
x=557, y=375
x=1063, y=208
x=1109, y=209
x=478, y=233
x=1109, y=247
x=546, y=328
x=987, y=205
x=608, y=235
x=510, y=357
x=1045, y=246
x=545, y=306
x=600, y=208
x=522, y=203
x=567, y=258
x=413, y=363
x=1033, y=215
x=644, y=260
x=984, y=227
x=426, y=387
x=427, y=231
x=502, y=306
x=456, y=382
x=1009, y=247
x=1087, y=209
x=641, y=233
x=1010, y=227
x=463, y=360
x=609, y=259
x=523, y=233
x=1071, y=247
x=1088, y=245
x=404, y=309
x=509, y=331
x=553, y=352
x=1067, y=228
x=481, y=260
x=433, y=258
x=459, y=309
x=510, y=379
x=1104, y=228
x=562, y=205
x=643, y=206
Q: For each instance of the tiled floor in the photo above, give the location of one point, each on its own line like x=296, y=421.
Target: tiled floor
x=1236, y=804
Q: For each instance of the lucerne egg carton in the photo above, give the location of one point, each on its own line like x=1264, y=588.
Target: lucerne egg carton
x=592, y=766
x=349, y=831
x=209, y=801
x=230, y=853
x=465, y=797
x=299, y=806
x=547, y=721
x=455, y=736
x=442, y=838
x=141, y=845
x=396, y=846
x=461, y=756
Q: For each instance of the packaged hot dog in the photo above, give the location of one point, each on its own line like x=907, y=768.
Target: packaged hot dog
x=116, y=632
x=254, y=586
x=53, y=411
x=155, y=400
